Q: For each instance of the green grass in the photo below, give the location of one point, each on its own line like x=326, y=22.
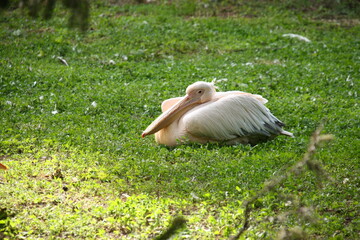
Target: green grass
x=71, y=135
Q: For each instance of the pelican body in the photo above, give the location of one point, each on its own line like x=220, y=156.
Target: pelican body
x=204, y=115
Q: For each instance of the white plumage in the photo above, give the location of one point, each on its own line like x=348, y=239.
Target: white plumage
x=205, y=115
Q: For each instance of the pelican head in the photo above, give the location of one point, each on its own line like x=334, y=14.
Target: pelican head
x=197, y=93
x=202, y=91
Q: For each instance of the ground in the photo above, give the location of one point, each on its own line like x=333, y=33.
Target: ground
x=74, y=104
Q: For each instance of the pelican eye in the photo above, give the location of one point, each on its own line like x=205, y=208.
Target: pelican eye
x=200, y=91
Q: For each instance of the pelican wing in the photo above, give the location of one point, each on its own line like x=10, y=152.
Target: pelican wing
x=219, y=95
x=230, y=117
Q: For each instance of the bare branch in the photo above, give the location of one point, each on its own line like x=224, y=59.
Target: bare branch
x=315, y=140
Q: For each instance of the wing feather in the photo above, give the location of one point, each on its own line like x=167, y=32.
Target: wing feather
x=231, y=117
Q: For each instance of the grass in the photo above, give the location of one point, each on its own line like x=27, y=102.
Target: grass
x=71, y=134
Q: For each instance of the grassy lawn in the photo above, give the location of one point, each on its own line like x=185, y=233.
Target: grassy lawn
x=71, y=134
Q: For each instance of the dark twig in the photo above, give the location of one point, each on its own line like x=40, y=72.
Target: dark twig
x=299, y=167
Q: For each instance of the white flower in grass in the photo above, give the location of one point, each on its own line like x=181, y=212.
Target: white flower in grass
x=17, y=32
x=248, y=64
x=193, y=195
x=55, y=111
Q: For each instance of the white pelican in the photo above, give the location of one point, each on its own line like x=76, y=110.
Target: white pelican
x=204, y=115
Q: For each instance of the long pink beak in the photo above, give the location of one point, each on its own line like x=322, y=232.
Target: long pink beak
x=169, y=116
